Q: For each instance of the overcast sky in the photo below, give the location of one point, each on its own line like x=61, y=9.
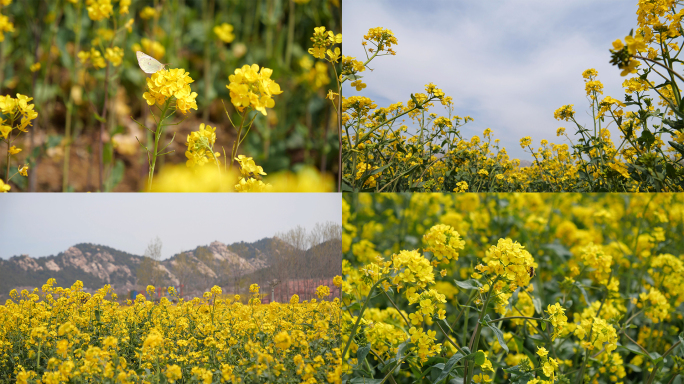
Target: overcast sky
x=46, y=224
x=508, y=64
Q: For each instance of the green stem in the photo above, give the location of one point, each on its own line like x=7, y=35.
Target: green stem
x=208, y=19
x=102, y=129
x=38, y=357
x=269, y=28
x=358, y=319
x=408, y=324
x=290, y=34
x=9, y=140
x=157, y=136
x=2, y=64
x=474, y=341
x=70, y=103
x=236, y=143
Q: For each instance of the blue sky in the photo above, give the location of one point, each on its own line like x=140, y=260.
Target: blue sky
x=44, y=224
x=508, y=64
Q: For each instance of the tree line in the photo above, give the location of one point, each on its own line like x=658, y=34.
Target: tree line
x=294, y=254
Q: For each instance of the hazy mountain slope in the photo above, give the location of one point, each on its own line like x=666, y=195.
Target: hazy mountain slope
x=97, y=265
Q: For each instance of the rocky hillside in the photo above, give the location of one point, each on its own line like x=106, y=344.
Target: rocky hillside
x=97, y=265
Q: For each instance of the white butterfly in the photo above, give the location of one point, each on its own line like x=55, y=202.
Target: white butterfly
x=148, y=63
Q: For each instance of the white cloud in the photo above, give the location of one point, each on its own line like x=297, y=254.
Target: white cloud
x=509, y=65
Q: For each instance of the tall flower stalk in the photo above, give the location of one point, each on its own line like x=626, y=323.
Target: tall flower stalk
x=168, y=91
x=251, y=89
x=323, y=39
x=70, y=102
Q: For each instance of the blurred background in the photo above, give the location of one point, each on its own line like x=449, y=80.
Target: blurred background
x=208, y=38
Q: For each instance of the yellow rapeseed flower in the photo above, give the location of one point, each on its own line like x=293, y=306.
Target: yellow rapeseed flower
x=99, y=9
x=147, y=13
x=200, y=145
x=5, y=26
x=175, y=83
x=224, y=32
x=253, y=87
x=114, y=56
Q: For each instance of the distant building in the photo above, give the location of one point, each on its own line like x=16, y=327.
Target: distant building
x=304, y=288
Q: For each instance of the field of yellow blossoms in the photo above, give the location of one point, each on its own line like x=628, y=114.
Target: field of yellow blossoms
x=382, y=154
x=513, y=288
x=110, y=95
x=64, y=335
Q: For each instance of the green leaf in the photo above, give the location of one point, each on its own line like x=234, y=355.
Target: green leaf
x=355, y=306
x=670, y=170
x=53, y=141
x=346, y=187
x=634, y=349
x=678, y=147
x=365, y=177
x=120, y=129
x=656, y=358
x=403, y=347
x=449, y=366
x=116, y=175
x=646, y=138
x=416, y=102
x=376, y=171
x=537, y=304
x=107, y=153
x=499, y=336
x=584, y=293
x=479, y=357
x=364, y=380
x=353, y=77
x=560, y=250
x=362, y=352
x=468, y=284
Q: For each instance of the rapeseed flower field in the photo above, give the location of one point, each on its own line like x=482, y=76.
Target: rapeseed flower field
x=513, y=288
x=64, y=335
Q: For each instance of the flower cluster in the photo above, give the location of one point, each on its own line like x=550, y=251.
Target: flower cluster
x=382, y=38
x=93, y=57
x=5, y=26
x=99, y=9
x=17, y=115
x=200, y=145
x=443, y=241
x=173, y=83
x=151, y=47
x=322, y=39
x=12, y=109
x=252, y=87
x=250, y=171
x=509, y=261
x=224, y=32
x=114, y=55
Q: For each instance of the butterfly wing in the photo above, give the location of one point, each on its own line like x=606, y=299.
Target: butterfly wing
x=148, y=63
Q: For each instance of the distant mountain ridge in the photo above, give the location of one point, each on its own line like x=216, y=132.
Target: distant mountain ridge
x=97, y=265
